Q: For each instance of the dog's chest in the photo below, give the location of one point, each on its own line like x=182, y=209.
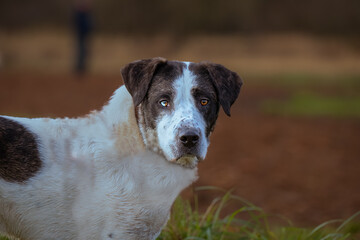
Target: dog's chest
x=131, y=197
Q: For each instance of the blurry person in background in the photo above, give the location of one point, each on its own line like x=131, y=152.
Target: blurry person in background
x=83, y=27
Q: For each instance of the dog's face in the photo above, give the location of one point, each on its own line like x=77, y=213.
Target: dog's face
x=177, y=104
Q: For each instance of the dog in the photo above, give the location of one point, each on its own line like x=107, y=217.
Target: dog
x=115, y=173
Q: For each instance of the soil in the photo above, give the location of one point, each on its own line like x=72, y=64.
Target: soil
x=305, y=169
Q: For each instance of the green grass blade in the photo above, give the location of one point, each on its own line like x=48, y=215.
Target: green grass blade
x=347, y=221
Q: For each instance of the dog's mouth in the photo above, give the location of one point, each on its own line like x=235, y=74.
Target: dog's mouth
x=187, y=161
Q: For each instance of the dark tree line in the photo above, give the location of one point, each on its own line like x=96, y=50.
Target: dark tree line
x=195, y=16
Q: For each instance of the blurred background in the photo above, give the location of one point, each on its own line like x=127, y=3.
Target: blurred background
x=292, y=145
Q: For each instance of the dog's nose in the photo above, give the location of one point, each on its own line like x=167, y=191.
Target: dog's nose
x=189, y=139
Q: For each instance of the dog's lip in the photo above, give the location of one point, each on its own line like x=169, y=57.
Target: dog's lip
x=188, y=155
x=187, y=160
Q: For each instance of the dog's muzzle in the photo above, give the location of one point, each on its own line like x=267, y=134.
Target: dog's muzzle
x=188, y=142
x=189, y=138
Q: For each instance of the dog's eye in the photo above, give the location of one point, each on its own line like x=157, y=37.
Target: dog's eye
x=164, y=103
x=204, y=102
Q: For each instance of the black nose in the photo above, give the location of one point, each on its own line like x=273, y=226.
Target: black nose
x=189, y=139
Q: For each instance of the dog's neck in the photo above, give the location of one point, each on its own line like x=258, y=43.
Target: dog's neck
x=120, y=118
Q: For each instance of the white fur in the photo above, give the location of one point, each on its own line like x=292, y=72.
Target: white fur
x=186, y=114
x=97, y=181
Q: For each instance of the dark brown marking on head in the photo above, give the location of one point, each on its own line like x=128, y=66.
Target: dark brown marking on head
x=205, y=89
x=19, y=156
x=137, y=77
x=226, y=82
x=161, y=88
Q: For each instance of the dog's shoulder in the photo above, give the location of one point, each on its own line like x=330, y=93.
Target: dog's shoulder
x=19, y=155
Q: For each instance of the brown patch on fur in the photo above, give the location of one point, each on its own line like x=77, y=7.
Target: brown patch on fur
x=147, y=81
x=226, y=82
x=129, y=137
x=19, y=156
x=148, y=111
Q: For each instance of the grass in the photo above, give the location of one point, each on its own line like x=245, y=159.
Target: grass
x=311, y=104
x=7, y=238
x=246, y=223
x=249, y=222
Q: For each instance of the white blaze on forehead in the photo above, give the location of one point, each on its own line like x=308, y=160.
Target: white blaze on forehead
x=184, y=115
x=183, y=86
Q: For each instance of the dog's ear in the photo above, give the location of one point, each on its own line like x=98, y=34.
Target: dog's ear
x=227, y=84
x=137, y=77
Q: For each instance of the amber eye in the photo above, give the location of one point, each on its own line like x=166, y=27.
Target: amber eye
x=164, y=103
x=204, y=102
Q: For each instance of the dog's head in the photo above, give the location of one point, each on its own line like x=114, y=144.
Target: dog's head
x=177, y=104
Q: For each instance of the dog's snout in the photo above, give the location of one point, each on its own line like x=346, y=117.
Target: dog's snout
x=189, y=138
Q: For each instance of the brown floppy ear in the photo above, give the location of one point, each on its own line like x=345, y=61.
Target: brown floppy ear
x=227, y=83
x=137, y=77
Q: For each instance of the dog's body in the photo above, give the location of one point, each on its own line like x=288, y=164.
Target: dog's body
x=113, y=174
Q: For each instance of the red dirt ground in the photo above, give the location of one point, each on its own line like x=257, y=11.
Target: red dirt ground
x=305, y=169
